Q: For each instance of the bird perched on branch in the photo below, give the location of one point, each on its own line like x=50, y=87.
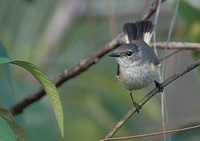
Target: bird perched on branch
x=138, y=65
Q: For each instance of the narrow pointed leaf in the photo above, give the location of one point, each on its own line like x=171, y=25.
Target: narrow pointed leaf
x=48, y=86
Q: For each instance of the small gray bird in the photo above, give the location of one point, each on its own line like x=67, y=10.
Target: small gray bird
x=138, y=65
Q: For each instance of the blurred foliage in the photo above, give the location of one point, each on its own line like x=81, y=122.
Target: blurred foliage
x=94, y=101
x=9, y=129
x=7, y=95
x=190, y=15
x=47, y=85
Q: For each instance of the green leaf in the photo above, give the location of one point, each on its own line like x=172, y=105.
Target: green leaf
x=7, y=96
x=9, y=129
x=48, y=86
x=188, y=13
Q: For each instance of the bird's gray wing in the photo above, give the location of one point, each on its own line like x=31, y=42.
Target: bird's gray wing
x=147, y=52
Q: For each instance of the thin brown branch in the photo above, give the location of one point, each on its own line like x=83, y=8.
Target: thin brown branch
x=177, y=45
x=151, y=10
x=80, y=67
x=148, y=97
x=153, y=134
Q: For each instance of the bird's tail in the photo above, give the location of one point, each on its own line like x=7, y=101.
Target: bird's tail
x=141, y=30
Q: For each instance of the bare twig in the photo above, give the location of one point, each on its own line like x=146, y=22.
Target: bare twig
x=153, y=134
x=151, y=10
x=80, y=67
x=149, y=96
x=178, y=45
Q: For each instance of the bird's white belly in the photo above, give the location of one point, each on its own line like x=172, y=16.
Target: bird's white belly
x=139, y=76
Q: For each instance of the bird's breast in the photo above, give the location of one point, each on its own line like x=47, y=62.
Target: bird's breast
x=137, y=77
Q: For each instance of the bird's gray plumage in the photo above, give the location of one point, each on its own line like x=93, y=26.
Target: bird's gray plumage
x=136, y=34
x=148, y=53
x=138, y=65
x=142, y=54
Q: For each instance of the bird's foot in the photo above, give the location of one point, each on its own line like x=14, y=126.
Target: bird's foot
x=137, y=107
x=159, y=86
x=135, y=104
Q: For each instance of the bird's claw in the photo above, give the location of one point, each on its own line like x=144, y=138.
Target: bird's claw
x=159, y=86
x=137, y=107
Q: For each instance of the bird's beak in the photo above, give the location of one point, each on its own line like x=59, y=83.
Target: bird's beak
x=114, y=55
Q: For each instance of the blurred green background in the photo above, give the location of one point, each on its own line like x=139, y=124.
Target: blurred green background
x=56, y=34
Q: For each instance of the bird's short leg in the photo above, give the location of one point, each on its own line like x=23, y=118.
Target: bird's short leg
x=137, y=106
x=159, y=86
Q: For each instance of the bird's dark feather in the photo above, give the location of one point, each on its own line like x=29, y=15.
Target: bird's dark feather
x=136, y=31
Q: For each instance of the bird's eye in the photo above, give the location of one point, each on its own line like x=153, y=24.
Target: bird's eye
x=129, y=53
